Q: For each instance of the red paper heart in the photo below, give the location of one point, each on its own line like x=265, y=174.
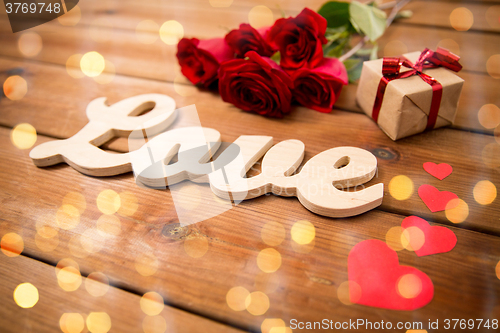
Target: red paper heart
x=437, y=239
x=440, y=171
x=383, y=282
x=434, y=199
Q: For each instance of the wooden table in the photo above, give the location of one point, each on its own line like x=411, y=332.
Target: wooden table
x=148, y=252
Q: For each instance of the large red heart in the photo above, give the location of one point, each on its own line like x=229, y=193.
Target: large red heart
x=434, y=199
x=383, y=282
x=437, y=239
x=440, y=171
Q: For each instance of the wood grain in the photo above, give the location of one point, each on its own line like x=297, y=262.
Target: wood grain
x=200, y=284
x=409, y=154
x=122, y=307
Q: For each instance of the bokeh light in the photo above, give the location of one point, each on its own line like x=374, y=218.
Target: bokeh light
x=71, y=18
x=220, y=3
x=107, y=75
x=493, y=16
x=146, y=31
x=485, y=192
x=273, y=233
x=409, y=286
x=236, y=298
x=450, y=45
x=23, y=136
x=26, y=295
x=497, y=270
x=12, y=244
x=269, y=260
x=92, y=64
x=97, y=284
x=395, y=48
x=271, y=323
x=73, y=66
x=257, y=303
x=303, y=232
x=393, y=238
x=493, y=66
x=266, y=282
x=196, y=247
x=128, y=204
x=401, y=187
x=98, y=322
x=108, y=202
x=108, y=225
x=349, y=292
x=171, y=32
x=413, y=238
x=47, y=239
x=146, y=264
x=76, y=200
x=491, y=155
x=457, y=210
x=461, y=19
x=71, y=323
x=489, y=116
x=154, y=324
x=69, y=278
x=152, y=303
x=15, y=87
x=30, y=44
x=260, y=16
x=67, y=217
x=91, y=240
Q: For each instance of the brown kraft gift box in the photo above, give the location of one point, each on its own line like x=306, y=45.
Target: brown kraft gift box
x=406, y=102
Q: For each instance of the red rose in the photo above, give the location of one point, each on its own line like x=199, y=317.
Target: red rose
x=200, y=59
x=256, y=85
x=319, y=88
x=246, y=39
x=300, y=39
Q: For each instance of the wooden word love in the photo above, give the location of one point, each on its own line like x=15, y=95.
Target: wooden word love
x=322, y=185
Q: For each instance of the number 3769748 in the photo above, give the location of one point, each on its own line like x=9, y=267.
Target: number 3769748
x=33, y=7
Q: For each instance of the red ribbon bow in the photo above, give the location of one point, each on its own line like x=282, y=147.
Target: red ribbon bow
x=428, y=59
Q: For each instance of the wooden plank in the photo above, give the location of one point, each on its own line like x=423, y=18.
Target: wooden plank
x=122, y=307
x=474, y=48
x=433, y=13
x=464, y=279
x=460, y=149
x=157, y=61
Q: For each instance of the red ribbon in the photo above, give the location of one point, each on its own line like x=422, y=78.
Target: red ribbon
x=428, y=59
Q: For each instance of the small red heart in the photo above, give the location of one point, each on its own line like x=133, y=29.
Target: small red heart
x=440, y=171
x=437, y=239
x=383, y=282
x=434, y=199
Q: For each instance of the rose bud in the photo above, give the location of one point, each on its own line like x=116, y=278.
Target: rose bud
x=300, y=40
x=319, y=88
x=256, y=85
x=200, y=59
x=247, y=38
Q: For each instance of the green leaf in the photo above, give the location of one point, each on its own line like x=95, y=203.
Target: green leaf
x=336, y=13
x=404, y=14
x=374, y=53
x=353, y=67
x=276, y=57
x=370, y=20
x=336, y=49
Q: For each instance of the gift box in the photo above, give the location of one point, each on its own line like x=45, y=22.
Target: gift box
x=410, y=94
